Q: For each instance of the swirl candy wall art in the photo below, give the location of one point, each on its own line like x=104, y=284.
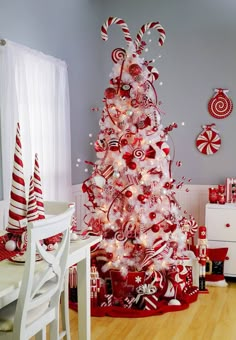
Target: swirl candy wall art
x=220, y=105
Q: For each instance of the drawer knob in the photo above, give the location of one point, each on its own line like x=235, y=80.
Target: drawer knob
x=227, y=258
x=227, y=225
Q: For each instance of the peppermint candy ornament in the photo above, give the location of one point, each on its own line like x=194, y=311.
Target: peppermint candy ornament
x=220, y=105
x=208, y=142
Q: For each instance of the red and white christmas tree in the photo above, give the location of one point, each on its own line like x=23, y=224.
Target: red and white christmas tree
x=38, y=189
x=18, y=206
x=131, y=191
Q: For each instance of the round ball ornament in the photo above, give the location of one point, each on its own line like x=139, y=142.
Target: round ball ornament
x=109, y=256
x=123, y=142
x=155, y=228
x=152, y=215
x=132, y=165
x=141, y=198
x=208, y=141
x=135, y=70
x=110, y=93
x=10, y=245
x=220, y=105
x=128, y=194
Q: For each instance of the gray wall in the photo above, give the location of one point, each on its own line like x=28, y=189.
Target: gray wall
x=198, y=56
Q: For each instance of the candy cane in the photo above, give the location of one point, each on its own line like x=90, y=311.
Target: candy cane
x=118, y=21
x=145, y=28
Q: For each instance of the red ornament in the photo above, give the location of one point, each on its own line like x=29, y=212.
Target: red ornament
x=109, y=256
x=125, y=90
x=132, y=165
x=128, y=193
x=123, y=142
x=135, y=70
x=152, y=215
x=141, y=198
x=155, y=228
x=110, y=93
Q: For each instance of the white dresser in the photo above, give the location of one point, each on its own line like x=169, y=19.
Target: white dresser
x=220, y=220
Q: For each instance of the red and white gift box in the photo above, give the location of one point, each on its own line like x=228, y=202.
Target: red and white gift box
x=108, y=300
x=128, y=302
x=150, y=302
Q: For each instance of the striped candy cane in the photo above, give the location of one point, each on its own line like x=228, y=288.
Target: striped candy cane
x=145, y=28
x=114, y=20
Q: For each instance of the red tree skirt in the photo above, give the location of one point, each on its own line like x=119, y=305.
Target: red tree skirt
x=121, y=312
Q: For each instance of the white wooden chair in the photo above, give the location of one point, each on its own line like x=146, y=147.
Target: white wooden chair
x=39, y=298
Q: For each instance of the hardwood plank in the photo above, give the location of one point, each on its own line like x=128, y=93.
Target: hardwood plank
x=211, y=317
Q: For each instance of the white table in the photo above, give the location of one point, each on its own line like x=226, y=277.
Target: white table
x=11, y=275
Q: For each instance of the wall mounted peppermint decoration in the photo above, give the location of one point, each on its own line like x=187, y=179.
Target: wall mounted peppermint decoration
x=208, y=141
x=220, y=105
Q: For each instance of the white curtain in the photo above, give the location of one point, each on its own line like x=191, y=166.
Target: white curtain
x=34, y=92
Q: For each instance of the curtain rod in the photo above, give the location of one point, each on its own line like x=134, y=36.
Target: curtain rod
x=2, y=42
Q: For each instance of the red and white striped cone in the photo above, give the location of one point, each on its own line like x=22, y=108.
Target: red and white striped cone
x=38, y=189
x=18, y=206
x=32, y=212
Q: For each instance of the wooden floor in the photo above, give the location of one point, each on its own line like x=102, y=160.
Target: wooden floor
x=211, y=317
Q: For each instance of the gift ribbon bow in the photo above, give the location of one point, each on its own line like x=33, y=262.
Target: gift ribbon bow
x=145, y=289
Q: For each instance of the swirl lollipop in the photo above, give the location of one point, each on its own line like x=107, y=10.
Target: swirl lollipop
x=220, y=105
x=118, y=54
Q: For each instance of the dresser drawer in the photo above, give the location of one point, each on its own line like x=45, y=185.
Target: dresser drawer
x=230, y=262
x=221, y=224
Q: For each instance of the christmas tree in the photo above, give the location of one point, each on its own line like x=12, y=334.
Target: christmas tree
x=139, y=264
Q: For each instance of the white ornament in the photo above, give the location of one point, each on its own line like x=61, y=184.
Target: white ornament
x=116, y=174
x=10, y=245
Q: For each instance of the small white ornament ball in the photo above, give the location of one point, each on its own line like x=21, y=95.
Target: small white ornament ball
x=116, y=174
x=10, y=245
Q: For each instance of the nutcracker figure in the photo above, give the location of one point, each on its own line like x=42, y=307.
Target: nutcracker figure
x=94, y=285
x=201, y=250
